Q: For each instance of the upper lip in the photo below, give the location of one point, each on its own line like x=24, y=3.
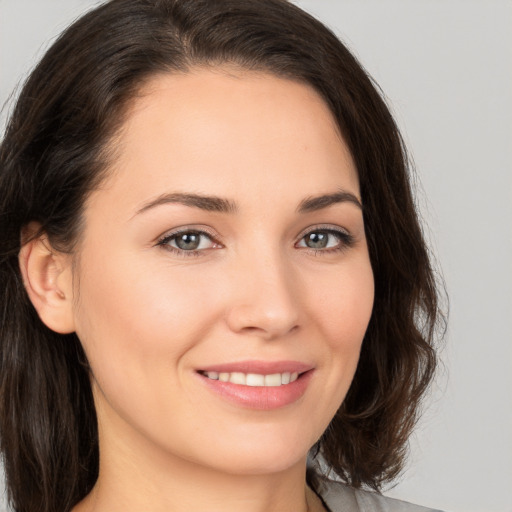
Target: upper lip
x=259, y=367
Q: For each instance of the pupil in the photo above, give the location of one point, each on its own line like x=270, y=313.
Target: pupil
x=188, y=241
x=317, y=240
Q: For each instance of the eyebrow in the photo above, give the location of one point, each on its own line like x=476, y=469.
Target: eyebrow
x=221, y=205
x=313, y=204
x=207, y=203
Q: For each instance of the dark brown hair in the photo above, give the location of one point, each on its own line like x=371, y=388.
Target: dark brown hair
x=55, y=152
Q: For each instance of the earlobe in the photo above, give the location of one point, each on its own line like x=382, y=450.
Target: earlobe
x=47, y=276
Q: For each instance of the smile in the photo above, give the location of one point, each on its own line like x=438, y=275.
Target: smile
x=254, y=379
x=258, y=385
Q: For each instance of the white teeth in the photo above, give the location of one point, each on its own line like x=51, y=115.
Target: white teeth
x=273, y=380
x=254, y=379
x=237, y=378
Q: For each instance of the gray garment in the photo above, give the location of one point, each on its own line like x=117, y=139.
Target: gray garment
x=340, y=497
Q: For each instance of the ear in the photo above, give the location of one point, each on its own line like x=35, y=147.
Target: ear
x=47, y=275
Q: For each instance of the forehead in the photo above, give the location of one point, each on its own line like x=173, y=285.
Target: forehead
x=210, y=129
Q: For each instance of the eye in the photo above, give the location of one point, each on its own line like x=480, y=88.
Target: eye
x=326, y=240
x=188, y=241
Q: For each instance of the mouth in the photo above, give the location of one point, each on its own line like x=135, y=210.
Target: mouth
x=258, y=385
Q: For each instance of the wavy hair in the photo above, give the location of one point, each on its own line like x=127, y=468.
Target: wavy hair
x=55, y=152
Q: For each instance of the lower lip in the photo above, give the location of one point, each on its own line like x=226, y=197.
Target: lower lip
x=261, y=398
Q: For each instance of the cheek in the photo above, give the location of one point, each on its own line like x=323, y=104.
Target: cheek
x=346, y=306
x=344, y=311
x=137, y=324
x=131, y=315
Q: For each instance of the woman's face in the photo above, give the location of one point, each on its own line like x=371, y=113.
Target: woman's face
x=226, y=246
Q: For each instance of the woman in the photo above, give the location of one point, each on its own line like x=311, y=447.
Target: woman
x=212, y=269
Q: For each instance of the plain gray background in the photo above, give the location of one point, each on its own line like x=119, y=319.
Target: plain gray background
x=446, y=69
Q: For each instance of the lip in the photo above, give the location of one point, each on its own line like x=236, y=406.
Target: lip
x=259, y=367
x=261, y=398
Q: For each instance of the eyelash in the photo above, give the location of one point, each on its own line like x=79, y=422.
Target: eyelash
x=345, y=241
x=166, y=239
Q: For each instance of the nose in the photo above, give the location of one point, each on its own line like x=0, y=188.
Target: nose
x=265, y=302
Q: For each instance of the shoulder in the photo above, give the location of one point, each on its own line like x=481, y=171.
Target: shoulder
x=341, y=497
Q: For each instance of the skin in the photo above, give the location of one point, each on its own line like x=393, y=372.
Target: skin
x=150, y=317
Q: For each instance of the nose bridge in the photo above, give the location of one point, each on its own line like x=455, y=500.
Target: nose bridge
x=265, y=302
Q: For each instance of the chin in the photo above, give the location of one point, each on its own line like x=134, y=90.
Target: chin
x=262, y=454
x=261, y=464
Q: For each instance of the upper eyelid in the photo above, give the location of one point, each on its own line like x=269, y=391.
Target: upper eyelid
x=324, y=227
x=344, y=236
x=187, y=229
